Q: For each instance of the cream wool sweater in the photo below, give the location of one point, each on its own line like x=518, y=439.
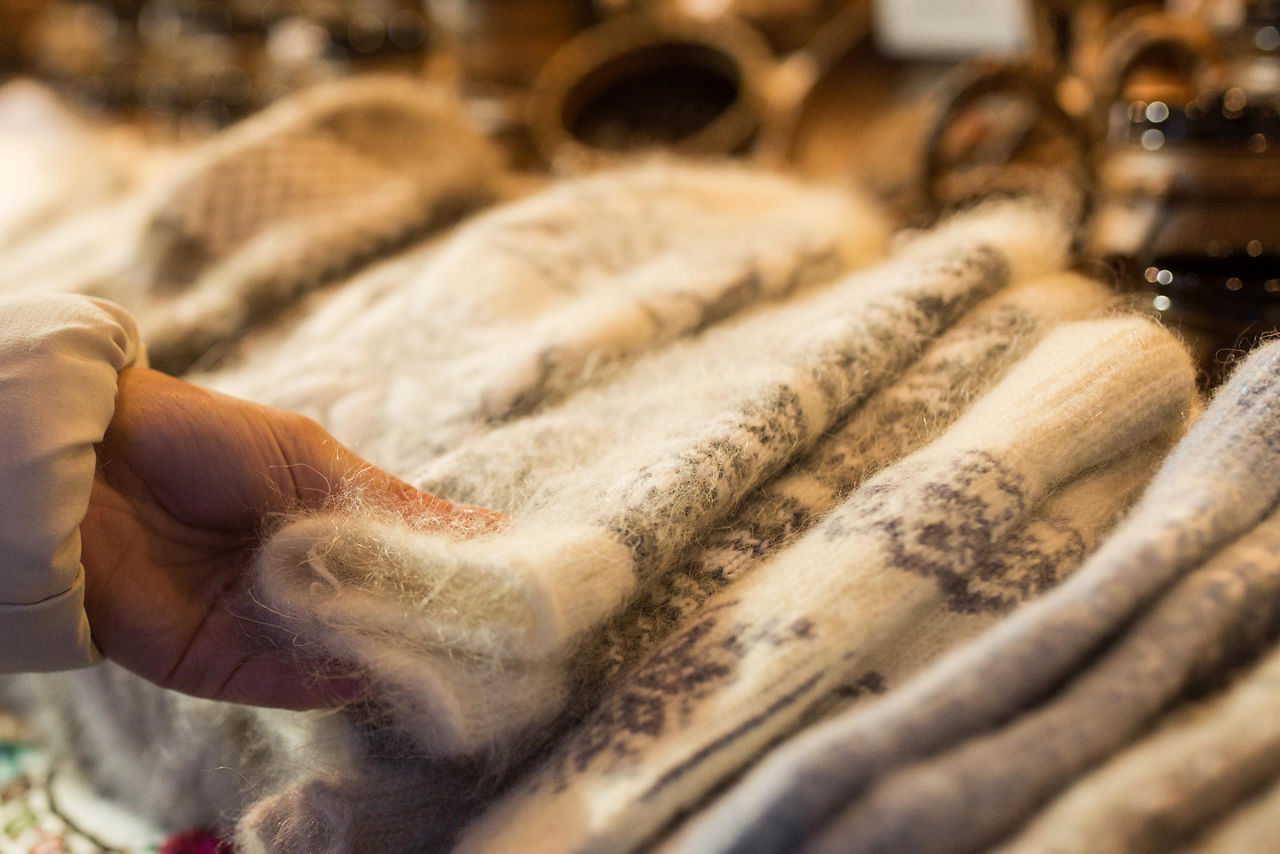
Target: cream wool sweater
x=59, y=357
x=759, y=462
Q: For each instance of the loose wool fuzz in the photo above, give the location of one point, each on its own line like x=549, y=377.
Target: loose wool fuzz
x=836, y=785
x=604, y=490
x=439, y=333
x=760, y=463
x=918, y=542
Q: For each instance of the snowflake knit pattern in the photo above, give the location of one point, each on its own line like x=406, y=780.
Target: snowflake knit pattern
x=761, y=466
x=968, y=730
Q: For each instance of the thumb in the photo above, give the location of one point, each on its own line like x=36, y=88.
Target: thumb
x=327, y=469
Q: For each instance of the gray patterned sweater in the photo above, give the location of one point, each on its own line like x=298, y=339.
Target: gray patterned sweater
x=768, y=474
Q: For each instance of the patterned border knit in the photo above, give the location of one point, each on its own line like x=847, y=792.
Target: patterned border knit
x=818, y=536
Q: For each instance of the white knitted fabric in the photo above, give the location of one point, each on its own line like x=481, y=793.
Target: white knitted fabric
x=526, y=304
x=240, y=226
x=959, y=756
x=916, y=407
x=713, y=437
x=605, y=490
x=925, y=540
x=753, y=238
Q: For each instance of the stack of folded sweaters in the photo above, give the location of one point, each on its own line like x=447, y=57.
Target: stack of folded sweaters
x=820, y=537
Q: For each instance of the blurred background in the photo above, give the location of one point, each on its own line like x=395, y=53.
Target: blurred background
x=1156, y=122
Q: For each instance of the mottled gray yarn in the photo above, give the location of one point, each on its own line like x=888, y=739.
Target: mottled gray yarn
x=1216, y=485
x=969, y=797
x=1204, y=759
x=890, y=568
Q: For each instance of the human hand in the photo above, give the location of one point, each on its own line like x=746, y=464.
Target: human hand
x=186, y=481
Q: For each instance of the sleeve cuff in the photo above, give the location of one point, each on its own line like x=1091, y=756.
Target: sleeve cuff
x=49, y=635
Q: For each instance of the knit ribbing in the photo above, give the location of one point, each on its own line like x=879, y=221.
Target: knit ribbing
x=1159, y=791
x=741, y=671
x=969, y=797
x=606, y=490
x=1217, y=483
x=303, y=192
x=535, y=300
x=917, y=408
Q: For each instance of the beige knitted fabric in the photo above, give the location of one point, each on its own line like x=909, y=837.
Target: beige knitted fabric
x=239, y=226
x=959, y=757
x=1255, y=827
x=921, y=541
x=605, y=490
x=430, y=352
x=917, y=406
x=721, y=423
x=537, y=299
x=303, y=192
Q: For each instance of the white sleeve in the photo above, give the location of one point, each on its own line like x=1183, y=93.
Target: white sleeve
x=59, y=360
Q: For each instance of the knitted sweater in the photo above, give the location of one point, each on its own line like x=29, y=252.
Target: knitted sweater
x=999, y=746
x=761, y=466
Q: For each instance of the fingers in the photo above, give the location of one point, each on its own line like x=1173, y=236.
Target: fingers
x=329, y=469
x=277, y=681
x=422, y=509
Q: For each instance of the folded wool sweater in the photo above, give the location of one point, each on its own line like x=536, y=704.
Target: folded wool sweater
x=1216, y=485
x=654, y=373
x=469, y=638
x=968, y=797
x=950, y=531
x=423, y=340
x=539, y=298
x=917, y=406
x=1160, y=791
x=237, y=228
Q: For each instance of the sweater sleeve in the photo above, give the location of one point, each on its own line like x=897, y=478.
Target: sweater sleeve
x=59, y=360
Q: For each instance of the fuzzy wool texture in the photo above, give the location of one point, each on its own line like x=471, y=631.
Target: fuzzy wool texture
x=604, y=491
x=304, y=192
x=904, y=415
x=224, y=236
x=754, y=240
x=927, y=538
x=527, y=304
x=1160, y=791
x=916, y=408
x=764, y=466
x=969, y=797
x=179, y=761
x=1215, y=486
